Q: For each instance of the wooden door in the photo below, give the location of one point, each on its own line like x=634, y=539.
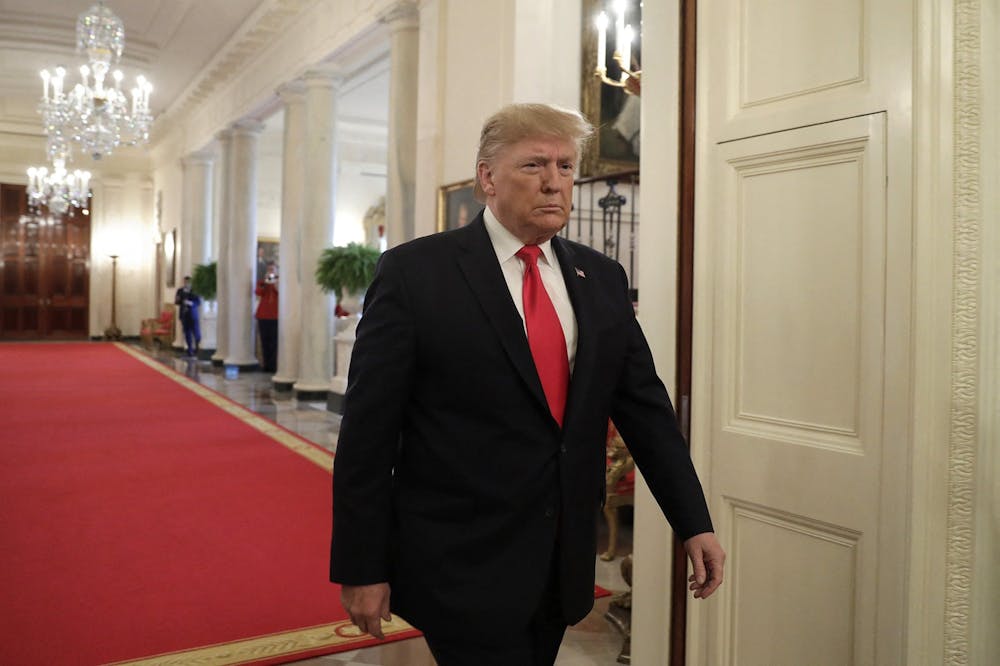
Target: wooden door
x=44, y=283
x=66, y=277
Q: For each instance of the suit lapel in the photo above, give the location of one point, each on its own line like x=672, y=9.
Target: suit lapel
x=582, y=298
x=478, y=263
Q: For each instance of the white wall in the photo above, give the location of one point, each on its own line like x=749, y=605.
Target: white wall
x=525, y=51
x=657, y=284
x=122, y=210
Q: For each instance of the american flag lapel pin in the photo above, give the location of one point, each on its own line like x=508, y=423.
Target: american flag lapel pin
x=580, y=273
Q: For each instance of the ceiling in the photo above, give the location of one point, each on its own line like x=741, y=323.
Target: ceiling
x=169, y=41
x=176, y=44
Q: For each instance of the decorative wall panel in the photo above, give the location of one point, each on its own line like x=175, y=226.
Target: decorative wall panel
x=797, y=47
x=807, y=573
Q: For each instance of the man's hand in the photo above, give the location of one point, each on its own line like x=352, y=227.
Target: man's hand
x=367, y=605
x=707, y=558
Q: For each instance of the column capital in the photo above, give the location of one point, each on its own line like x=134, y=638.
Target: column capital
x=247, y=127
x=198, y=158
x=403, y=15
x=224, y=135
x=323, y=78
x=292, y=92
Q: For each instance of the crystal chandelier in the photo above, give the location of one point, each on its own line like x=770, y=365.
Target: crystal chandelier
x=99, y=117
x=58, y=189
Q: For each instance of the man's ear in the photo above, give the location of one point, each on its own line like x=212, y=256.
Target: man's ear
x=485, y=175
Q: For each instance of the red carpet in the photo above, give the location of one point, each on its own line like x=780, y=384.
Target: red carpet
x=137, y=518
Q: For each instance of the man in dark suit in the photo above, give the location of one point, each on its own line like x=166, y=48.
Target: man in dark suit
x=469, y=471
x=189, y=302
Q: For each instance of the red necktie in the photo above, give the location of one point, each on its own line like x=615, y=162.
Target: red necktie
x=545, y=334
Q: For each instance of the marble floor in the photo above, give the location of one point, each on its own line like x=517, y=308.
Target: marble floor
x=592, y=642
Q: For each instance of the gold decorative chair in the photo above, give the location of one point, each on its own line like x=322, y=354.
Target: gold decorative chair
x=620, y=484
x=158, y=332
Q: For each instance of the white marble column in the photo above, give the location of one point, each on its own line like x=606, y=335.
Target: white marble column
x=242, y=245
x=225, y=139
x=183, y=250
x=196, y=224
x=403, y=21
x=197, y=211
x=290, y=281
x=319, y=180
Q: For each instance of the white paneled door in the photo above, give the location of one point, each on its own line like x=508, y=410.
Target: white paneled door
x=792, y=391
x=802, y=361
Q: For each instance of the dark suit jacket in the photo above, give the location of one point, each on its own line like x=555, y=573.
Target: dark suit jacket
x=188, y=314
x=452, y=481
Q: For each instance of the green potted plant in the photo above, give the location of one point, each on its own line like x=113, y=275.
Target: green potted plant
x=203, y=281
x=346, y=270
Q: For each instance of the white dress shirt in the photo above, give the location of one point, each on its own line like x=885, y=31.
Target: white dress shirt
x=506, y=245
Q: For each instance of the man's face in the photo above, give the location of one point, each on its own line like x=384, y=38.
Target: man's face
x=529, y=186
x=187, y=284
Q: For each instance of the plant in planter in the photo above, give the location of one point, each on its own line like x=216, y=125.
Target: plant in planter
x=203, y=281
x=346, y=269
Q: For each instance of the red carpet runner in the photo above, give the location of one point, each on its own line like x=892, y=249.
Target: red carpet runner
x=137, y=519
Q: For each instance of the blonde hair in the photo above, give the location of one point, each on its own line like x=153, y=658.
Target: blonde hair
x=516, y=122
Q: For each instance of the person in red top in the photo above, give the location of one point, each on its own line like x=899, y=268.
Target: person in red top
x=267, y=319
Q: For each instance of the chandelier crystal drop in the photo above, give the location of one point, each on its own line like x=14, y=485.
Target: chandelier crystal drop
x=95, y=113
x=58, y=189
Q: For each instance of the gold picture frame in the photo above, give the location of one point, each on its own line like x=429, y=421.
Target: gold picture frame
x=267, y=254
x=457, y=205
x=610, y=110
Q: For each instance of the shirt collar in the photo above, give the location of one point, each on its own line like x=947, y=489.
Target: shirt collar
x=506, y=244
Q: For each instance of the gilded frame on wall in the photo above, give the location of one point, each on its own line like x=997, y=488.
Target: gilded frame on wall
x=456, y=205
x=267, y=253
x=614, y=114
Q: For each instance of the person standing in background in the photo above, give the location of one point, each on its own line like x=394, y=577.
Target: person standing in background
x=267, y=319
x=188, y=303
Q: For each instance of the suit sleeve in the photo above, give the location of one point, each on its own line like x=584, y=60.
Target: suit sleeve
x=645, y=418
x=378, y=389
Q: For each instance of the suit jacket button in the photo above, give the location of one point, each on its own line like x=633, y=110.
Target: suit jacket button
x=562, y=447
x=549, y=512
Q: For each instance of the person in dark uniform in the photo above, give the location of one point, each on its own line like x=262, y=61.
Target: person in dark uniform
x=188, y=303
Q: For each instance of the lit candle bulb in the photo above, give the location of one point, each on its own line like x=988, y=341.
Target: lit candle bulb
x=135, y=99
x=58, y=82
x=626, y=48
x=118, y=76
x=602, y=42
x=45, y=83
x=149, y=89
x=620, y=6
x=84, y=73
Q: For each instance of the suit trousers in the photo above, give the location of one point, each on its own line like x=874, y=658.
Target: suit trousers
x=537, y=644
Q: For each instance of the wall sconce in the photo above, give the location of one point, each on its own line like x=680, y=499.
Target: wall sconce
x=631, y=80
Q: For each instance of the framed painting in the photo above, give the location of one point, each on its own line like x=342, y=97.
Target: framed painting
x=613, y=112
x=267, y=254
x=456, y=205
